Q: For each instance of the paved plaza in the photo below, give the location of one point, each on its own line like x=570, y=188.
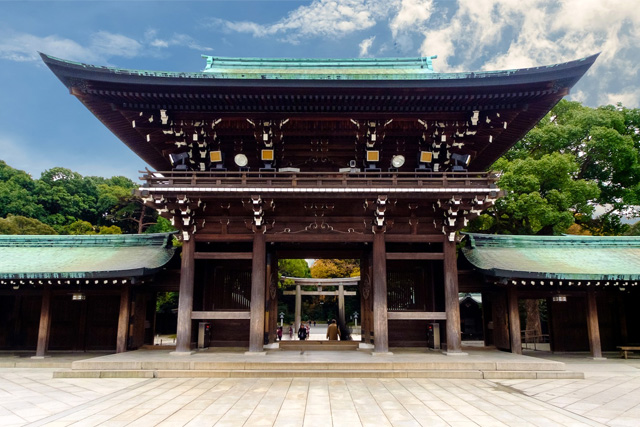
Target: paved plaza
x=609, y=395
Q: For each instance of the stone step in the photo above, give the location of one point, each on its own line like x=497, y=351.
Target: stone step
x=185, y=365
x=318, y=345
x=332, y=373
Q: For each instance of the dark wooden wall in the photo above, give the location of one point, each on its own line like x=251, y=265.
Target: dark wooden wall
x=229, y=333
x=88, y=325
x=19, y=321
x=568, y=330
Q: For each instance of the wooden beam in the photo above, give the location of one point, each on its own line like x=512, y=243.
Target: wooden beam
x=514, y=320
x=325, y=293
x=185, y=298
x=258, y=276
x=123, y=319
x=593, y=326
x=220, y=315
x=415, y=256
x=380, y=323
x=319, y=238
x=417, y=315
x=210, y=237
x=452, y=304
x=44, y=329
x=414, y=238
x=222, y=255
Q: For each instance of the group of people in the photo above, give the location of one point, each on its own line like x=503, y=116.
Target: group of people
x=333, y=332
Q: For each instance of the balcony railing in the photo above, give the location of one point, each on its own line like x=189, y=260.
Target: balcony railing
x=310, y=180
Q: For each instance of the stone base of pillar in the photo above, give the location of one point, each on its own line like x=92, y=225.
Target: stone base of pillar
x=181, y=353
x=381, y=353
x=598, y=358
x=39, y=357
x=455, y=353
x=255, y=353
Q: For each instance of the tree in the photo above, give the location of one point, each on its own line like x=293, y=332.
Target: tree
x=71, y=203
x=17, y=224
x=328, y=268
x=293, y=268
x=542, y=197
x=16, y=193
x=604, y=143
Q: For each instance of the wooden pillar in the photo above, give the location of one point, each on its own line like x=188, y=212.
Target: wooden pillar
x=452, y=303
x=514, y=321
x=341, y=304
x=44, y=329
x=123, y=319
x=139, y=315
x=298, y=319
x=258, y=272
x=185, y=301
x=622, y=318
x=380, y=323
x=592, y=326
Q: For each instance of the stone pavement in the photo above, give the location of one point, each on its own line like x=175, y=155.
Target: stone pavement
x=610, y=395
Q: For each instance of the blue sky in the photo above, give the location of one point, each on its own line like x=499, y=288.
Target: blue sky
x=42, y=126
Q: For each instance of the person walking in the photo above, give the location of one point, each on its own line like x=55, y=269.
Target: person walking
x=302, y=332
x=333, y=332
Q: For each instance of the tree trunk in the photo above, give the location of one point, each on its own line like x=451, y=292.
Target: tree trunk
x=141, y=219
x=532, y=323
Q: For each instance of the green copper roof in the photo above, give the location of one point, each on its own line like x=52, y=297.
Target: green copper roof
x=286, y=68
x=83, y=257
x=555, y=257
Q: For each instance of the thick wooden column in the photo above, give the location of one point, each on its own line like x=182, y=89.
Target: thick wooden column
x=123, y=319
x=45, y=323
x=139, y=316
x=185, y=301
x=592, y=326
x=380, y=322
x=258, y=272
x=452, y=303
x=514, y=321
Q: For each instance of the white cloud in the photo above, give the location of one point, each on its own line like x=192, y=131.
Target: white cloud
x=628, y=98
x=411, y=16
x=321, y=18
x=152, y=39
x=506, y=34
x=102, y=45
x=365, y=45
x=109, y=44
x=25, y=47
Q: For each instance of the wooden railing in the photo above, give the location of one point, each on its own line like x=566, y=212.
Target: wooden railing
x=320, y=179
x=528, y=336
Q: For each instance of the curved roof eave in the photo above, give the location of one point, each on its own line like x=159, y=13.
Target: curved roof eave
x=66, y=71
x=83, y=257
x=555, y=257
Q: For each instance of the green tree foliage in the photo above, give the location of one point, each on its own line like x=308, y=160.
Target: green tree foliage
x=17, y=194
x=73, y=204
x=602, y=143
x=162, y=225
x=542, y=197
x=293, y=268
x=329, y=268
x=17, y=224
